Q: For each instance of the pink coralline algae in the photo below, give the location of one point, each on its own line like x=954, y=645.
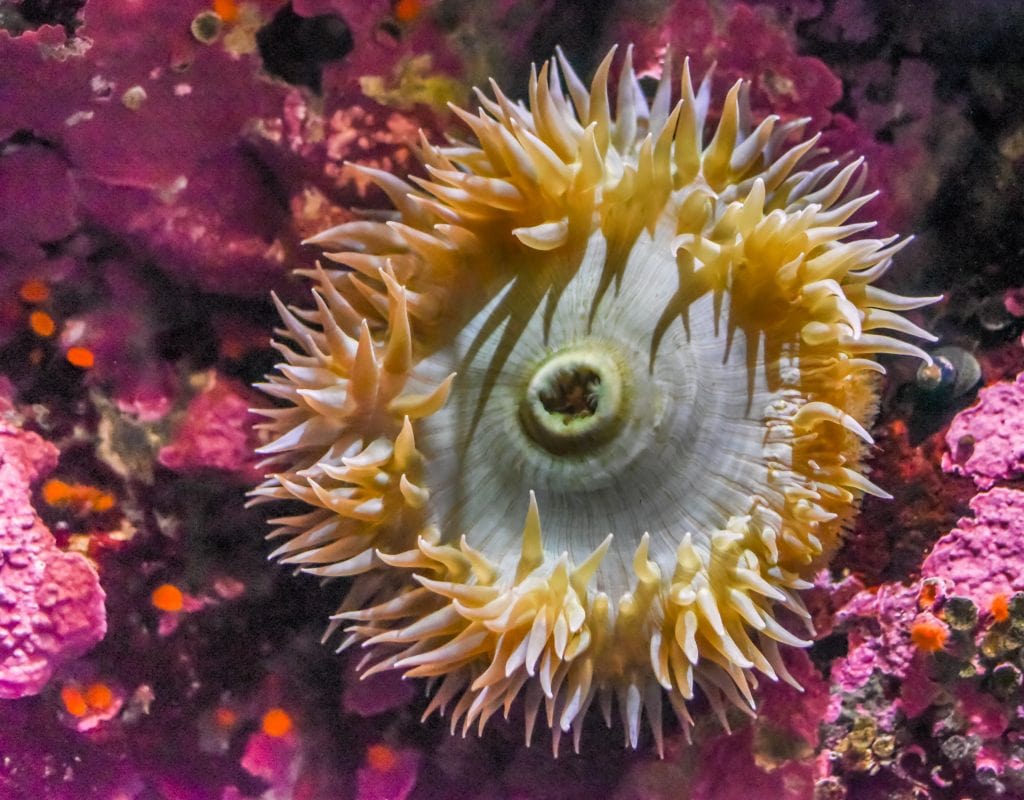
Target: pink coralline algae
x=983, y=556
x=139, y=125
x=757, y=42
x=39, y=173
x=42, y=174
x=216, y=432
x=743, y=43
x=51, y=603
x=980, y=559
x=877, y=623
x=986, y=441
x=161, y=134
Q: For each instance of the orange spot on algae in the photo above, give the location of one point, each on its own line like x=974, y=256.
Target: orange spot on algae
x=277, y=723
x=41, y=323
x=227, y=10
x=1000, y=608
x=167, y=597
x=929, y=635
x=929, y=592
x=73, y=700
x=99, y=696
x=381, y=757
x=225, y=717
x=81, y=357
x=80, y=498
x=34, y=291
x=407, y=10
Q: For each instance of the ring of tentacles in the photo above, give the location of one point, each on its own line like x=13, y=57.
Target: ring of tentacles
x=583, y=414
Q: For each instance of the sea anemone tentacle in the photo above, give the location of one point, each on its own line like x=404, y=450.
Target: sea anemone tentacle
x=582, y=417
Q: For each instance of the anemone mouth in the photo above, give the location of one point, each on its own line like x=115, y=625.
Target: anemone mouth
x=575, y=401
x=584, y=415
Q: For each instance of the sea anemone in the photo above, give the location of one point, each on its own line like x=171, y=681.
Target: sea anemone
x=585, y=411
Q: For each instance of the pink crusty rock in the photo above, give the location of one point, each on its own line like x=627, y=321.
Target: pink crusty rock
x=51, y=603
x=980, y=558
x=216, y=432
x=878, y=623
x=983, y=556
x=986, y=441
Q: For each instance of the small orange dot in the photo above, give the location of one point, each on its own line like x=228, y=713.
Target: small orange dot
x=381, y=757
x=56, y=492
x=1000, y=608
x=41, y=323
x=168, y=597
x=99, y=696
x=227, y=10
x=73, y=701
x=34, y=291
x=81, y=357
x=929, y=635
x=277, y=723
x=407, y=10
x=225, y=717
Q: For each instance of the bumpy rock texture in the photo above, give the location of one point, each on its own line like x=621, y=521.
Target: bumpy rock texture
x=984, y=555
x=216, y=432
x=51, y=603
x=986, y=441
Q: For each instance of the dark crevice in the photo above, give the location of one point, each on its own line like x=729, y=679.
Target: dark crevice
x=295, y=49
x=31, y=14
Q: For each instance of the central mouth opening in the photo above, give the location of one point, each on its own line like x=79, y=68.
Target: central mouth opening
x=575, y=401
x=574, y=394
